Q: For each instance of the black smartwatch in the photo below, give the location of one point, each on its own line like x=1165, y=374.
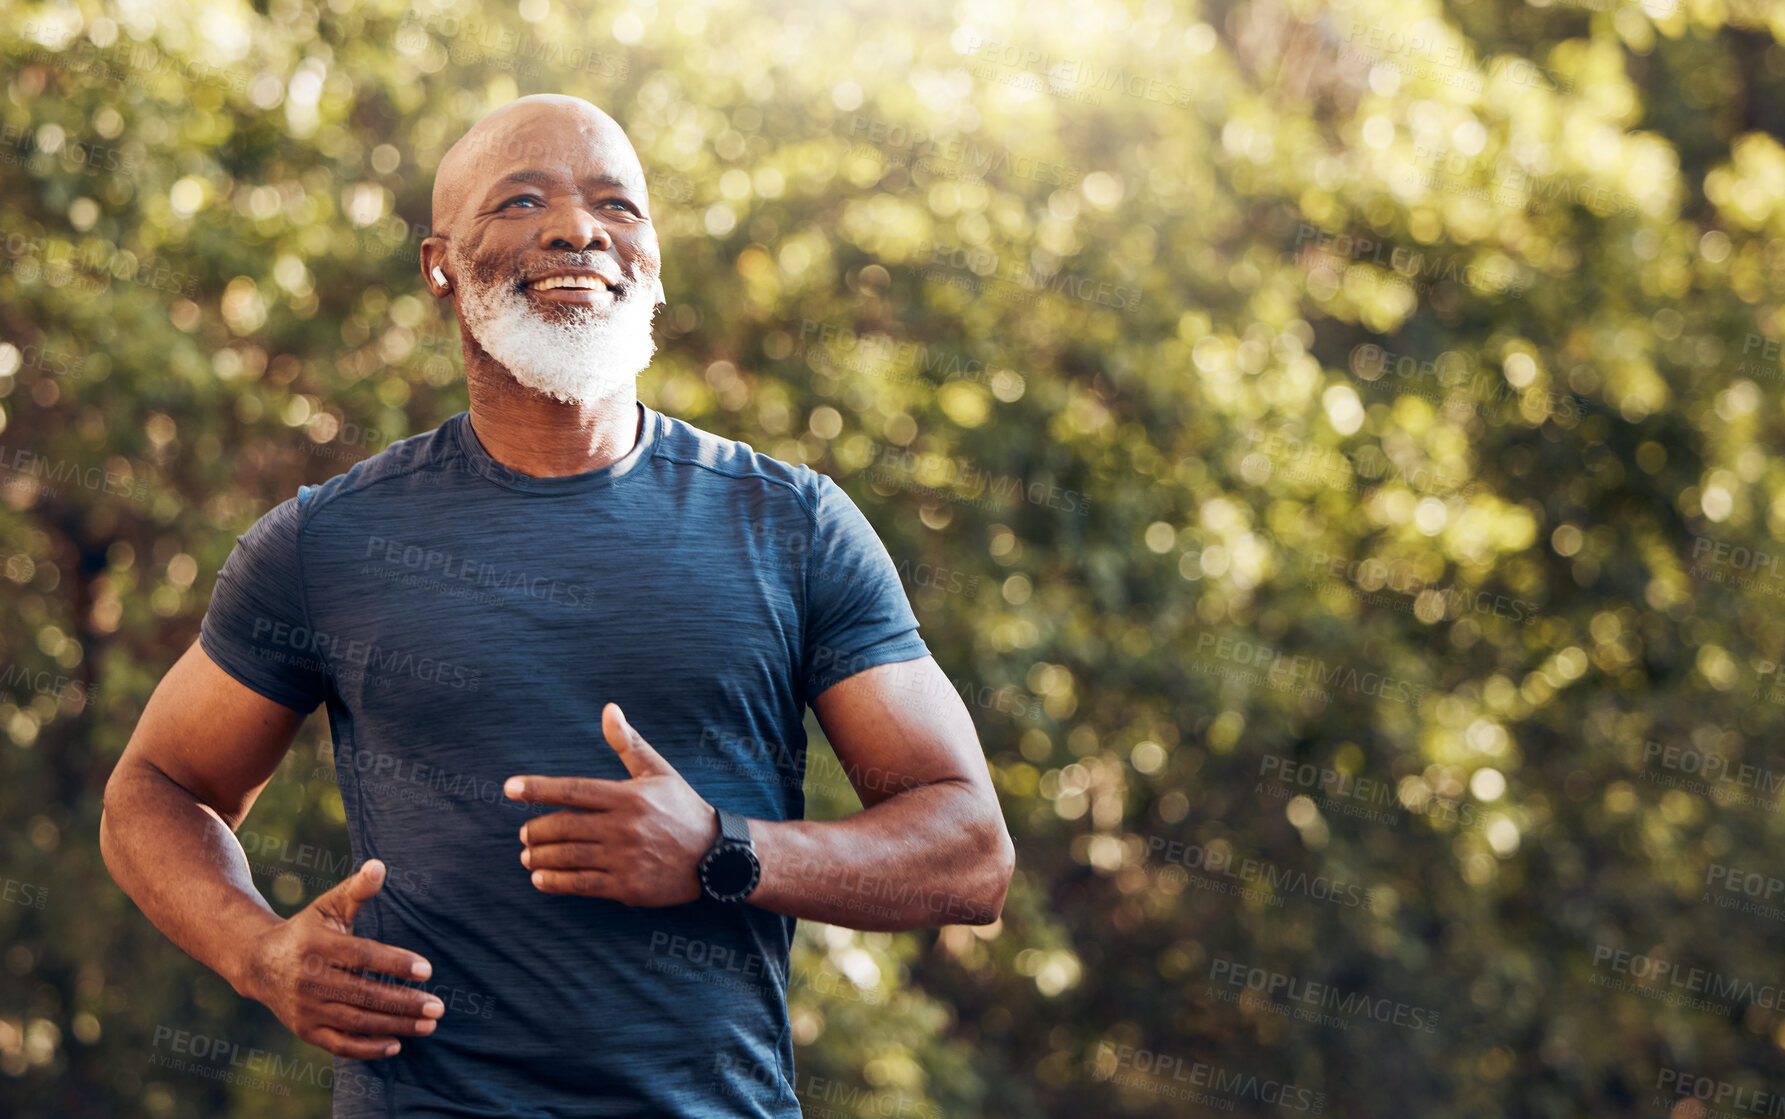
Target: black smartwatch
x=729, y=870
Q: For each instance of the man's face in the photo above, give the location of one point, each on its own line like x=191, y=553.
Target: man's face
x=555, y=259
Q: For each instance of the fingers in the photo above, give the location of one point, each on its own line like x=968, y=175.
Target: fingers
x=592, y=794
x=353, y=1048
x=348, y=989
x=353, y=1020
x=360, y=954
x=637, y=755
x=341, y=1009
x=565, y=827
x=328, y=986
x=344, y=899
x=337, y=1005
x=587, y=883
x=563, y=856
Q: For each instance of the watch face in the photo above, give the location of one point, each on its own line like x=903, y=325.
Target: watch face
x=729, y=871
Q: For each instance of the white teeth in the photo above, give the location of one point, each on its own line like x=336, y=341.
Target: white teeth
x=581, y=283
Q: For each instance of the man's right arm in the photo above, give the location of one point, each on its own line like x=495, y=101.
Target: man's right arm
x=201, y=753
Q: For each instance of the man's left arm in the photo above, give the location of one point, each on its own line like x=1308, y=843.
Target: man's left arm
x=929, y=848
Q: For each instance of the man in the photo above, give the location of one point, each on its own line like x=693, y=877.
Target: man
x=565, y=643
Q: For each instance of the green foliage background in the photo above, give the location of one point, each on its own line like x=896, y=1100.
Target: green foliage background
x=1558, y=222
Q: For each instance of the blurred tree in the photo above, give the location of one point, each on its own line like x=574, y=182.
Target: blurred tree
x=1332, y=448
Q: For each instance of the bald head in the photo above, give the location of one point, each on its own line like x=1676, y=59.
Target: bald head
x=548, y=131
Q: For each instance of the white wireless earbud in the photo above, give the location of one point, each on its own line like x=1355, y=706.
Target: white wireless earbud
x=440, y=277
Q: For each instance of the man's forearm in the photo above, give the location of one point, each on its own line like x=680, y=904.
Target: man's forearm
x=183, y=867
x=928, y=856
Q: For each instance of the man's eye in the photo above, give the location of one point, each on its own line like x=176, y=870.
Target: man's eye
x=622, y=204
x=522, y=198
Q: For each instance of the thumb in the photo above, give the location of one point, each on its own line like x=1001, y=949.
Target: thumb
x=346, y=897
x=635, y=753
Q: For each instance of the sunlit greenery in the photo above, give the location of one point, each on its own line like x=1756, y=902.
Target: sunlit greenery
x=1332, y=449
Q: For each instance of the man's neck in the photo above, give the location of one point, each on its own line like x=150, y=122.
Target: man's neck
x=544, y=438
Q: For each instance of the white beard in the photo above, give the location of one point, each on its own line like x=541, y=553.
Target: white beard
x=592, y=354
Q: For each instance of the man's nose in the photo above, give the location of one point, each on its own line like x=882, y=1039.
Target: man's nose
x=574, y=229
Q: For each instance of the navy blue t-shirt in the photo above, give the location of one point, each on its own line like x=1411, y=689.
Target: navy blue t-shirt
x=464, y=622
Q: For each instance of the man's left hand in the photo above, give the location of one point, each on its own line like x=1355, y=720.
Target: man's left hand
x=637, y=841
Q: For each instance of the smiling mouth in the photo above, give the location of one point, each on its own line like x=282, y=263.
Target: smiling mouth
x=569, y=283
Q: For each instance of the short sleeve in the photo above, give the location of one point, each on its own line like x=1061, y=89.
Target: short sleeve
x=256, y=627
x=857, y=616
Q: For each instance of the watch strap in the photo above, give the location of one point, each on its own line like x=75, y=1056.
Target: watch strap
x=733, y=827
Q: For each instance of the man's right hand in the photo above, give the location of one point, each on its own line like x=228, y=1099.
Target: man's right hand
x=304, y=970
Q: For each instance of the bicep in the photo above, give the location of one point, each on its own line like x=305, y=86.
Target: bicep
x=897, y=726
x=212, y=735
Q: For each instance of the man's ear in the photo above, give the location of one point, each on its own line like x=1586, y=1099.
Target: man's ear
x=433, y=255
